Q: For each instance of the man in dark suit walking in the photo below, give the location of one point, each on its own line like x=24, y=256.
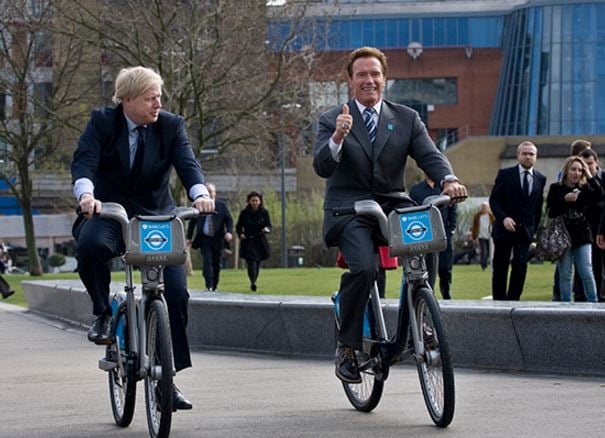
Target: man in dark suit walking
x=212, y=232
x=125, y=155
x=361, y=149
x=516, y=201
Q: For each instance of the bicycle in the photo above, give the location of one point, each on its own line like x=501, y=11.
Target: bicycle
x=411, y=233
x=143, y=347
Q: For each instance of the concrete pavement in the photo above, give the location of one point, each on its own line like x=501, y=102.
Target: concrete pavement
x=50, y=387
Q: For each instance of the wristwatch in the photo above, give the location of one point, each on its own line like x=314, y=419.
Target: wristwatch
x=449, y=179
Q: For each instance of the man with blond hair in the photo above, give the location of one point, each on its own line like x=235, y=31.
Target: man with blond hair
x=516, y=201
x=125, y=155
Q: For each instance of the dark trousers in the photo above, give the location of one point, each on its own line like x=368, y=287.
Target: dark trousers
x=211, y=262
x=519, y=248
x=444, y=261
x=355, y=243
x=484, y=248
x=99, y=240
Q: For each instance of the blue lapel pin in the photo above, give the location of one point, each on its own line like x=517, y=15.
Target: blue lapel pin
x=390, y=127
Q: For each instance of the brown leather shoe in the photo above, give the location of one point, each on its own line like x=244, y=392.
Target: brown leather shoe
x=346, y=365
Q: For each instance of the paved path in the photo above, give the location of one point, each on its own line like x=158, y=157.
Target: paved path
x=50, y=387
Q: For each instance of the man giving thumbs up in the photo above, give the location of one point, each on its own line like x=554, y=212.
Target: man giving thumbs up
x=361, y=149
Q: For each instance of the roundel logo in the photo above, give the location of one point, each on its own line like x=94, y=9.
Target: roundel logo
x=416, y=230
x=155, y=239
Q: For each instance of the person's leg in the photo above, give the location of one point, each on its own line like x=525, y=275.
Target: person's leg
x=381, y=282
x=98, y=240
x=177, y=300
x=518, y=270
x=445, y=271
x=564, y=266
x=356, y=245
x=484, y=247
x=583, y=264
x=207, y=262
x=217, y=258
x=252, y=266
x=502, y=251
x=432, y=261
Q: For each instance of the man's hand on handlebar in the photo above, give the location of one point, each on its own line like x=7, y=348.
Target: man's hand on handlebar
x=89, y=205
x=456, y=191
x=204, y=204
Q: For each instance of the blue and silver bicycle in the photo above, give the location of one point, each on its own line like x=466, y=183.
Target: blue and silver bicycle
x=420, y=334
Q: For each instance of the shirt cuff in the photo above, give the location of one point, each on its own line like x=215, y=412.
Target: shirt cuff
x=81, y=186
x=198, y=190
x=335, y=149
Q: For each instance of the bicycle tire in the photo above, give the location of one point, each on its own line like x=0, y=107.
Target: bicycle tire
x=435, y=367
x=158, y=381
x=122, y=382
x=366, y=395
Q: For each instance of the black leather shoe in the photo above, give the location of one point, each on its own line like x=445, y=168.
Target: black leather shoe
x=253, y=287
x=100, y=332
x=7, y=294
x=346, y=365
x=179, y=402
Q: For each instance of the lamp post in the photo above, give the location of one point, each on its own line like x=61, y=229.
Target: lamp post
x=282, y=168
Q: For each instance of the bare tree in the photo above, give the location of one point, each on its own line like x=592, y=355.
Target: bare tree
x=220, y=70
x=38, y=79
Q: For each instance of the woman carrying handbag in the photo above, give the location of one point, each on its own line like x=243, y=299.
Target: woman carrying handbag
x=570, y=198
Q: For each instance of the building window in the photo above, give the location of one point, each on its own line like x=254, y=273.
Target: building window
x=426, y=91
x=42, y=98
x=327, y=94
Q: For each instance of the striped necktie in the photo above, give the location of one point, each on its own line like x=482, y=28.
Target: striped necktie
x=370, y=125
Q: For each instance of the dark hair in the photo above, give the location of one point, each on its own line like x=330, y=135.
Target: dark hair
x=367, y=52
x=252, y=195
x=579, y=145
x=587, y=153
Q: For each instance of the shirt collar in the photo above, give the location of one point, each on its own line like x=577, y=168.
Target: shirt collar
x=131, y=125
x=523, y=169
x=376, y=107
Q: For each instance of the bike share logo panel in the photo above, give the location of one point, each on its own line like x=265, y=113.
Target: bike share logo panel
x=156, y=236
x=416, y=228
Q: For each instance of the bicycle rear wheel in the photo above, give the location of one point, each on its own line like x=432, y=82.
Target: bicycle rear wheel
x=158, y=382
x=122, y=378
x=435, y=367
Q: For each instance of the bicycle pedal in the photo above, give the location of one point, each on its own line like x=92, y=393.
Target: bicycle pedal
x=368, y=364
x=107, y=365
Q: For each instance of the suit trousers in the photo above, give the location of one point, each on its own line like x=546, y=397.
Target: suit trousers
x=519, y=247
x=211, y=261
x=98, y=241
x=358, y=248
x=445, y=262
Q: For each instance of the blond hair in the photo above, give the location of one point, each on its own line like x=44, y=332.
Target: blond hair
x=134, y=81
x=567, y=165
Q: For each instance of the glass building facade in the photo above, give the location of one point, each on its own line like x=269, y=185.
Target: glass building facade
x=552, y=80
x=553, y=73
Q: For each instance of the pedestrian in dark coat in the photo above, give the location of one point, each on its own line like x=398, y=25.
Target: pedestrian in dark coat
x=252, y=226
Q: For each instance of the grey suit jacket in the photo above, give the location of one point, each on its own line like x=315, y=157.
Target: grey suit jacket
x=367, y=171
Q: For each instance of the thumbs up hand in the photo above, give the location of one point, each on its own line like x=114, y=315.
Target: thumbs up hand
x=344, y=123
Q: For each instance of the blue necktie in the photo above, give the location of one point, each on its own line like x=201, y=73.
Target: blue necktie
x=370, y=125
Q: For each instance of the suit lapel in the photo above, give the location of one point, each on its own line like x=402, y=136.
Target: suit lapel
x=359, y=130
x=123, y=146
x=384, y=129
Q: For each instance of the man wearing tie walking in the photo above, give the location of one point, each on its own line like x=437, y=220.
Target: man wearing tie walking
x=361, y=149
x=516, y=201
x=212, y=233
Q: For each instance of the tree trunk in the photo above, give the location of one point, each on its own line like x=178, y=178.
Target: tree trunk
x=33, y=260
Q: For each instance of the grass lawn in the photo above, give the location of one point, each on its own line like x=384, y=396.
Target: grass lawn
x=469, y=282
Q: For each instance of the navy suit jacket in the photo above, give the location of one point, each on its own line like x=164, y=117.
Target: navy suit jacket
x=103, y=157
x=367, y=171
x=507, y=200
x=223, y=223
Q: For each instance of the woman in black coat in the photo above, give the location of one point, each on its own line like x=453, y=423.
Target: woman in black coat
x=571, y=198
x=252, y=225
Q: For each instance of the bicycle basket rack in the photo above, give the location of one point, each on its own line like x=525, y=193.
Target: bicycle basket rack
x=416, y=230
x=156, y=240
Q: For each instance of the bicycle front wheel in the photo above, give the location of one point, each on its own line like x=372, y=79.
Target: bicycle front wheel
x=435, y=366
x=158, y=382
x=122, y=378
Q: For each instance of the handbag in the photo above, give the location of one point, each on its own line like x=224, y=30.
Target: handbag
x=386, y=262
x=553, y=240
